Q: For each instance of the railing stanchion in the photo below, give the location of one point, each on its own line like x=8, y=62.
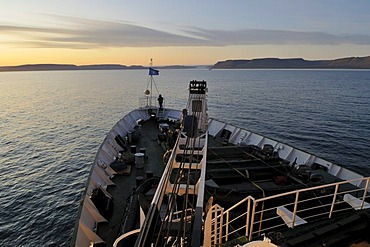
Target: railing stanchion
x=248, y=218
x=334, y=198
x=252, y=220
x=295, y=208
x=365, y=192
x=227, y=227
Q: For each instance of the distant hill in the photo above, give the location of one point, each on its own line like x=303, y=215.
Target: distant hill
x=295, y=63
x=261, y=63
x=42, y=67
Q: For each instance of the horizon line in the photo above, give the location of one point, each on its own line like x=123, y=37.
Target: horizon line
x=187, y=65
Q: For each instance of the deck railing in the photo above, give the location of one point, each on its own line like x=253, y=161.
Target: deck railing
x=252, y=217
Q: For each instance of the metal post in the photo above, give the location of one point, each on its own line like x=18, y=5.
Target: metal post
x=248, y=217
x=227, y=227
x=295, y=208
x=151, y=84
x=151, y=90
x=365, y=192
x=252, y=221
x=334, y=198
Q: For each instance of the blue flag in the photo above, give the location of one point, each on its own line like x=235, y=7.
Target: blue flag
x=153, y=71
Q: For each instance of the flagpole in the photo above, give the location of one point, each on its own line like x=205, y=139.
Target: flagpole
x=151, y=80
x=151, y=83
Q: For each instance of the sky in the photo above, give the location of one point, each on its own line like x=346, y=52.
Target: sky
x=192, y=32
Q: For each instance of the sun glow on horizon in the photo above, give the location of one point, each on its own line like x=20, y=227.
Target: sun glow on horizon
x=164, y=55
x=129, y=34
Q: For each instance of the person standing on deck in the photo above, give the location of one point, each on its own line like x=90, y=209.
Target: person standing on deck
x=160, y=101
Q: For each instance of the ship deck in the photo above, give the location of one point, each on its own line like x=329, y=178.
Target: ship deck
x=126, y=184
x=221, y=154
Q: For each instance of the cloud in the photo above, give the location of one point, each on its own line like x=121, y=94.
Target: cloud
x=277, y=37
x=83, y=33
x=80, y=33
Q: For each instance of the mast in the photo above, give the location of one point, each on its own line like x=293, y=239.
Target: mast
x=151, y=81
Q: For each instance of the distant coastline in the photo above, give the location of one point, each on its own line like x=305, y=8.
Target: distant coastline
x=295, y=63
x=50, y=67
x=260, y=63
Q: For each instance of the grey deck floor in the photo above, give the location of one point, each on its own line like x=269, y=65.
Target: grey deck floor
x=125, y=184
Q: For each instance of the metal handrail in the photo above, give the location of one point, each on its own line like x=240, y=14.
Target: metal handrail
x=313, y=188
x=328, y=207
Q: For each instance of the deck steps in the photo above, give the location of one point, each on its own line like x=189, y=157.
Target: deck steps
x=355, y=202
x=287, y=216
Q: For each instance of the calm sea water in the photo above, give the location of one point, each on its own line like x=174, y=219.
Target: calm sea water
x=52, y=123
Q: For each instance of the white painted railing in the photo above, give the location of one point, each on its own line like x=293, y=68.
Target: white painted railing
x=257, y=216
